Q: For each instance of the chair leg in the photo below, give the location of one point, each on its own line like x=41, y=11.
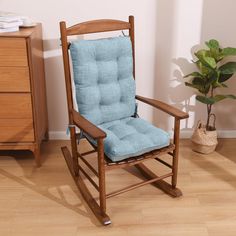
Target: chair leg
x=74, y=150
x=93, y=205
x=101, y=173
x=175, y=153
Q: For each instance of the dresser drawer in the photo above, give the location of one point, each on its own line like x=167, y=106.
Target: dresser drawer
x=14, y=79
x=16, y=130
x=13, y=52
x=15, y=106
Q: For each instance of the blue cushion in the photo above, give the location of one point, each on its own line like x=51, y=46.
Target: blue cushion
x=105, y=94
x=130, y=137
x=103, y=75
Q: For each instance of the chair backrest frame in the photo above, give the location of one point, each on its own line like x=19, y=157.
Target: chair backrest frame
x=88, y=27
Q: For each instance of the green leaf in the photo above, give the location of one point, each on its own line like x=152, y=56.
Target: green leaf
x=220, y=97
x=205, y=100
x=197, y=80
x=200, y=53
x=228, y=68
x=203, y=86
x=228, y=51
x=215, y=54
x=224, y=77
x=204, y=57
x=224, y=85
x=218, y=85
x=192, y=85
x=204, y=69
x=210, y=61
x=212, y=100
x=212, y=78
x=194, y=74
x=213, y=44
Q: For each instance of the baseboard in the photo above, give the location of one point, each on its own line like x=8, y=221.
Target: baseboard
x=226, y=133
x=58, y=135
x=184, y=134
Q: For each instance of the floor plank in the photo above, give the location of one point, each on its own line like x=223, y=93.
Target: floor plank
x=45, y=201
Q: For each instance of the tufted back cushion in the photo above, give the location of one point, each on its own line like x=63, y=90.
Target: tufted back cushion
x=103, y=76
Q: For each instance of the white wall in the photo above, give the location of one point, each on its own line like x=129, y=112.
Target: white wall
x=220, y=23
x=166, y=31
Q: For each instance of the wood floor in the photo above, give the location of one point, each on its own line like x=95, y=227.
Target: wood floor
x=45, y=201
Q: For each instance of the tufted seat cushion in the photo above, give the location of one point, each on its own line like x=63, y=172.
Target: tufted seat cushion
x=130, y=137
x=103, y=75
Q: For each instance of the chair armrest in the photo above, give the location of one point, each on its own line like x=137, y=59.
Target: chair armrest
x=164, y=107
x=88, y=127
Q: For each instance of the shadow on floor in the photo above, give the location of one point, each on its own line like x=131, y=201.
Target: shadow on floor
x=39, y=181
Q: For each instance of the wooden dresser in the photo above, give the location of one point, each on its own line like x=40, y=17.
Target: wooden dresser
x=23, y=109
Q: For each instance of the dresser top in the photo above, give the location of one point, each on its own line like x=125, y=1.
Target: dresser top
x=22, y=33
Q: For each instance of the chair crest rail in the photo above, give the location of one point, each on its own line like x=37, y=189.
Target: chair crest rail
x=96, y=26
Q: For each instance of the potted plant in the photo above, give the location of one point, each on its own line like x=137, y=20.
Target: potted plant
x=213, y=71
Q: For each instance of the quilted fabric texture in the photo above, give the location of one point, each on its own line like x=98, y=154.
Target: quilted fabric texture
x=132, y=137
x=105, y=94
x=103, y=75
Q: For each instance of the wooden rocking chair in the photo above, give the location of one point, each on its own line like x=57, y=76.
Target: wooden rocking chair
x=97, y=119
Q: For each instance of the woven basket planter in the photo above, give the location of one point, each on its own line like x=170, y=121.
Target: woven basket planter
x=204, y=141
